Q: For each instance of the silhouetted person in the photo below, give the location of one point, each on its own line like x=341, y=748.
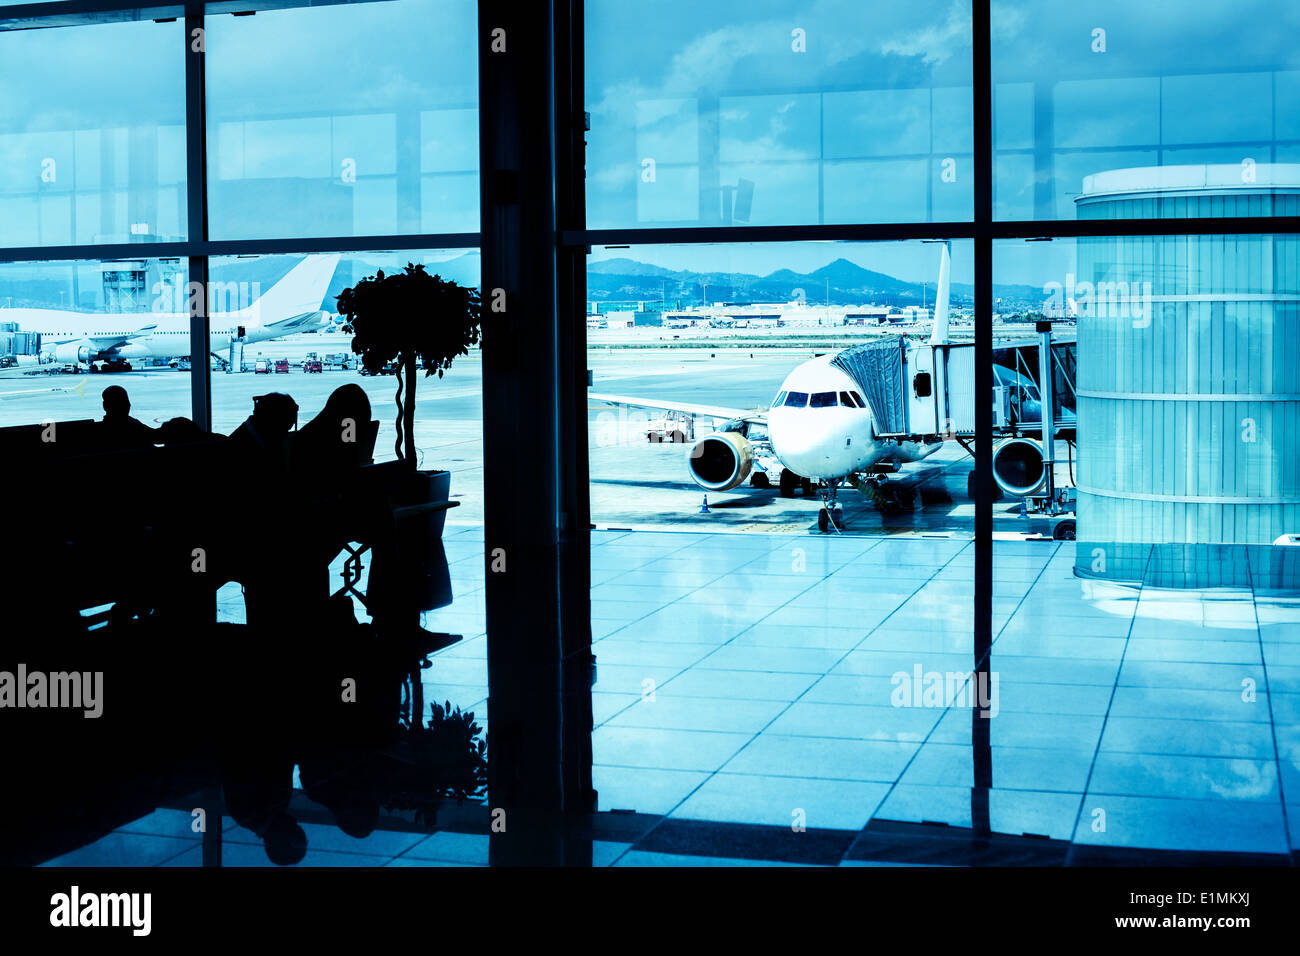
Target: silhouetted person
x=183, y=431
x=259, y=474
x=335, y=441
x=263, y=436
x=119, y=431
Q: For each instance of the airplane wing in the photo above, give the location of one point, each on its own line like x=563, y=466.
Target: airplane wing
x=755, y=415
x=114, y=341
x=297, y=323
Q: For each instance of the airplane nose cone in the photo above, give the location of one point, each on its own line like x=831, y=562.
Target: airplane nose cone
x=800, y=448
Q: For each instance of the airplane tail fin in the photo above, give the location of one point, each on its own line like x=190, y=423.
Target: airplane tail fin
x=301, y=290
x=940, y=334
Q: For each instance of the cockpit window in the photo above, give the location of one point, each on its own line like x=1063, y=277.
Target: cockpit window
x=846, y=401
x=796, y=399
x=779, y=400
x=823, y=400
x=858, y=398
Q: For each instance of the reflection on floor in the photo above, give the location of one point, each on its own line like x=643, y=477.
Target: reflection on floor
x=786, y=699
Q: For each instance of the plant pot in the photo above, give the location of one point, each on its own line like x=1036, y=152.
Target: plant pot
x=421, y=539
x=437, y=487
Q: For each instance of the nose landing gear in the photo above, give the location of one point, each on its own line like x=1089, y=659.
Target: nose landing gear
x=830, y=516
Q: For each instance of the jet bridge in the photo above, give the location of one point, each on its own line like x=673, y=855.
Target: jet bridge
x=915, y=390
x=924, y=391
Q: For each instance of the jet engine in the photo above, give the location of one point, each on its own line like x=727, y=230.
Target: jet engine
x=71, y=353
x=720, y=461
x=1018, y=466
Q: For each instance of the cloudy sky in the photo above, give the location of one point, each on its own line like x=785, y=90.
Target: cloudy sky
x=358, y=119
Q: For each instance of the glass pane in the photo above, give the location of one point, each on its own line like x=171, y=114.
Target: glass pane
x=311, y=358
x=92, y=142
x=61, y=320
x=748, y=655
x=1145, y=647
x=777, y=113
x=344, y=121
x=1118, y=85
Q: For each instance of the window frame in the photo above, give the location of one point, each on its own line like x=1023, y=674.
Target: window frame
x=573, y=239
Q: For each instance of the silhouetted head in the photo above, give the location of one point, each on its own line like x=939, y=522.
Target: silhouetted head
x=180, y=431
x=116, y=401
x=347, y=401
x=274, y=414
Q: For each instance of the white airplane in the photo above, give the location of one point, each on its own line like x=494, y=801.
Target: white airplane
x=291, y=306
x=820, y=428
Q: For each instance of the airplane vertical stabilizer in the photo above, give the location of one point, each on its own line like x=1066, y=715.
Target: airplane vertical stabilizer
x=940, y=334
x=301, y=290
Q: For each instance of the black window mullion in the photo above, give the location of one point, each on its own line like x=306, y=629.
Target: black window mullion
x=196, y=190
x=982, y=609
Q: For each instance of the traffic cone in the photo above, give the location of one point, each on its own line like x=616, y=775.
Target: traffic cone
x=704, y=508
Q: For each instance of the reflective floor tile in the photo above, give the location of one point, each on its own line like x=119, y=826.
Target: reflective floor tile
x=810, y=635
x=643, y=790
x=642, y=858
x=831, y=758
x=1193, y=652
x=754, y=685
x=1189, y=777
x=1013, y=768
x=868, y=661
x=664, y=749
x=1072, y=732
x=1193, y=704
x=321, y=836
x=1014, y=812
x=451, y=847
x=666, y=711
x=790, y=660
x=875, y=690
x=1021, y=697
x=628, y=652
x=1206, y=738
x=1053, y=670
x=1188, y=674
x=250, y=855
x=126, y=849
x=604, y=706
x=632, y=678
x=904, y=724
x=1226, y=826
x=784, y=801
x=1052, y=642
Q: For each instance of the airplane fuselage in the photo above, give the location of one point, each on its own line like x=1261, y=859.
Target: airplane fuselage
x=168, y=339
x=820, y=427
x=291, y=306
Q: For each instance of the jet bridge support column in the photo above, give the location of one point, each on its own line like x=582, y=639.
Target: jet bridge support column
x=1047, y=400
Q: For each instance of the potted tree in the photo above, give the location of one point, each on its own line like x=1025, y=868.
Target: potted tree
x=413, y=320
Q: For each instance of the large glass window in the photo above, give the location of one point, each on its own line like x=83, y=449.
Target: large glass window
x=777, y=113
x=746, y=647
x=1079, y=90
x=343, y=121
x=92, y=135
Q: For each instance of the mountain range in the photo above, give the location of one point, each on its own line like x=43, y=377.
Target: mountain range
x=609, y=281
x=842, y=281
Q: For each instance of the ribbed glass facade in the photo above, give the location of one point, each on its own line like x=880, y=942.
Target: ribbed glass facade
x=1189, y=382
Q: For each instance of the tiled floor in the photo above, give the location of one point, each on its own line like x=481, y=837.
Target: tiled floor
x=746, y=685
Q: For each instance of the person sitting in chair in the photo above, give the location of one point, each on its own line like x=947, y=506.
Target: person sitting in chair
x=119, y=430
x=264, y=435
